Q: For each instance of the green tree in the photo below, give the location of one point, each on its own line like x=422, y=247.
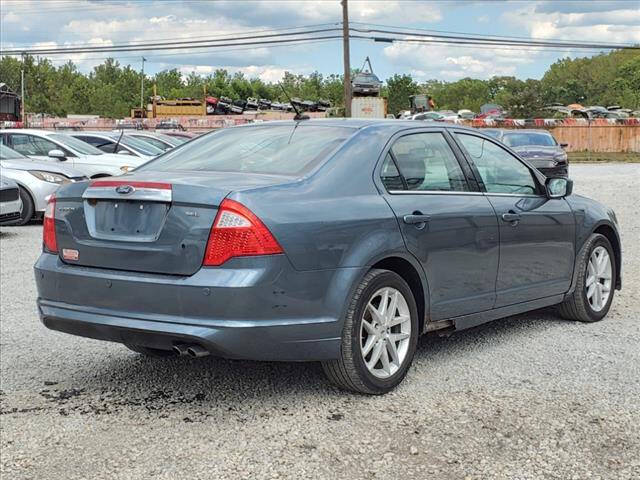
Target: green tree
x=400, y=88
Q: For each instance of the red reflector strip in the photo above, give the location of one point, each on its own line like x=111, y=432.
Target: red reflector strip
x=117, y=183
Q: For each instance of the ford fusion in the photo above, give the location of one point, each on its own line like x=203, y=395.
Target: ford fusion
x=540, y=148
x=339, y=241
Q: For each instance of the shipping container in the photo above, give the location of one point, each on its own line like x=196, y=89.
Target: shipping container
x=369, y=107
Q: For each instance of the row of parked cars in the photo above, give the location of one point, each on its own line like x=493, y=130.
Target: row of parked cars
x=34, y=163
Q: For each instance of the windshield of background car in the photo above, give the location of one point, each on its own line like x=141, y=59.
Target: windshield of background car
x=279, y=150
x=7, y=153
x=522, y=139
x=77, y=145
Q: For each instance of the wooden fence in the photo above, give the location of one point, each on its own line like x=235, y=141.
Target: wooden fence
x=599, y=138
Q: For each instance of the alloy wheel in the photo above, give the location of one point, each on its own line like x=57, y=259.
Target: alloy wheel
x=385, y=332
x=598, y=278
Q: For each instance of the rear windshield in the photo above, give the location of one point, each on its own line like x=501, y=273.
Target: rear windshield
x=136, y=144
x=522, y=139
x=76, y=144
x=275, y=149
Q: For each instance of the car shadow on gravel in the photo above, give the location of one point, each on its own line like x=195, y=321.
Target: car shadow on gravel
x=127, y=380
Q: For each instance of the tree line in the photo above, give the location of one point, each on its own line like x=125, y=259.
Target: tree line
x=111, y=90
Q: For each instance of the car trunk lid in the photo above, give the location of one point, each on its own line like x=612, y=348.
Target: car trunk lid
x=141, y=224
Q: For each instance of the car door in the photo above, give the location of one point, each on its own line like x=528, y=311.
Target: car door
x=537, y=234
x=451, y=229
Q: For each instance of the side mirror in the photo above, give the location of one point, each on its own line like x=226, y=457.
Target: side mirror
x=559, y=187
x=57, y=154
x=564, y=145
x=124, y=152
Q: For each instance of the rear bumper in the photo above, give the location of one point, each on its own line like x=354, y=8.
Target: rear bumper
x=255, y=308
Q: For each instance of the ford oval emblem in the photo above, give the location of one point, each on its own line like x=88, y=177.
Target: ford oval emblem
x=125, y=189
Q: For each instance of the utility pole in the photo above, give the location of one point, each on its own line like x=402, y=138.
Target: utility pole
x=347, y=62
x=142, y=87
x=22, y=117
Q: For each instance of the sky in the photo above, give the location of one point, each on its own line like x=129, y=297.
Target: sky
x=52, y=23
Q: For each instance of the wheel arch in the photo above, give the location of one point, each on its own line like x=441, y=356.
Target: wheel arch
x=415, y=278
x=610, y=233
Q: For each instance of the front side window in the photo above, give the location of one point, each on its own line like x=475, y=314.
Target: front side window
x=31, y=145
x=426, y=162
x=500, y=171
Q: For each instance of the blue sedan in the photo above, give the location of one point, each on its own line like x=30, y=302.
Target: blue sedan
x=340, y=241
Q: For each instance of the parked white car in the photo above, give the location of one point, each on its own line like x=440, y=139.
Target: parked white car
x=59, y=147
x=36, y=180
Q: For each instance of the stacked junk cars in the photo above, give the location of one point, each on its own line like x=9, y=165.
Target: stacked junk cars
x=209, y=105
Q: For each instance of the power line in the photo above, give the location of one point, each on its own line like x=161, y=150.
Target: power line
x=464, y=40
x=472, y=35
x=215, y=52
x=166, y=45
x=168, y=39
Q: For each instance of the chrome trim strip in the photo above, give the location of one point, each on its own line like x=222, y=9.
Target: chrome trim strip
x=141, y=193
x=528, y=195
x=431, y=192
x=442, y=192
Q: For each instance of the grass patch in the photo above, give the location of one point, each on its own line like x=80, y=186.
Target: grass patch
x=595, y=157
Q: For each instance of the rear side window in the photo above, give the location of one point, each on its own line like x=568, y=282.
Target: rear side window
x=275, y=149
x=426, y=163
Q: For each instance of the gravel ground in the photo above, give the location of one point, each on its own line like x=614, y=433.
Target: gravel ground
x=526, y=397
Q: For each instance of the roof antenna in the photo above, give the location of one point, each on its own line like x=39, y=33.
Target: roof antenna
x=115, y=150
x=299, y=116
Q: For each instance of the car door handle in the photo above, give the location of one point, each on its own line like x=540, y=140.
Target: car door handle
x=416, y=219
x=511, y=217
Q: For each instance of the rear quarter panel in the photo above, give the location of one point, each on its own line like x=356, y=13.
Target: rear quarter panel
x=334, y=217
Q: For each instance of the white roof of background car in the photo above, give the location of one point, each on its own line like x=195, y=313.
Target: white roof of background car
x=32, y=131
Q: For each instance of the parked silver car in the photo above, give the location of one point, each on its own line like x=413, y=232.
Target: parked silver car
x=36, y=180
x=10, y=204
x=122, y=144
x=56, y=147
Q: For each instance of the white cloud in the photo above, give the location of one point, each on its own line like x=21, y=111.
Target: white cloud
x=619, y=24
x=483, y=19
x=427, y=61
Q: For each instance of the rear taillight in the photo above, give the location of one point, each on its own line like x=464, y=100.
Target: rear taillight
x=49, y=226
x=237, y=232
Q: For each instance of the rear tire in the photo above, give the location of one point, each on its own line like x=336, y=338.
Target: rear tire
x=27, y=208
x=582, y=305
x=151, y=352
x=378, y=343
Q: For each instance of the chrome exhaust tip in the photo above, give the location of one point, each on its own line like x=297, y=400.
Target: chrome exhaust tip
x=197, y=351
x=181, y=349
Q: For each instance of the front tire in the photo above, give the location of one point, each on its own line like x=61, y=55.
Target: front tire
x=379, y=337
x=27, y=208
x=595, y=282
